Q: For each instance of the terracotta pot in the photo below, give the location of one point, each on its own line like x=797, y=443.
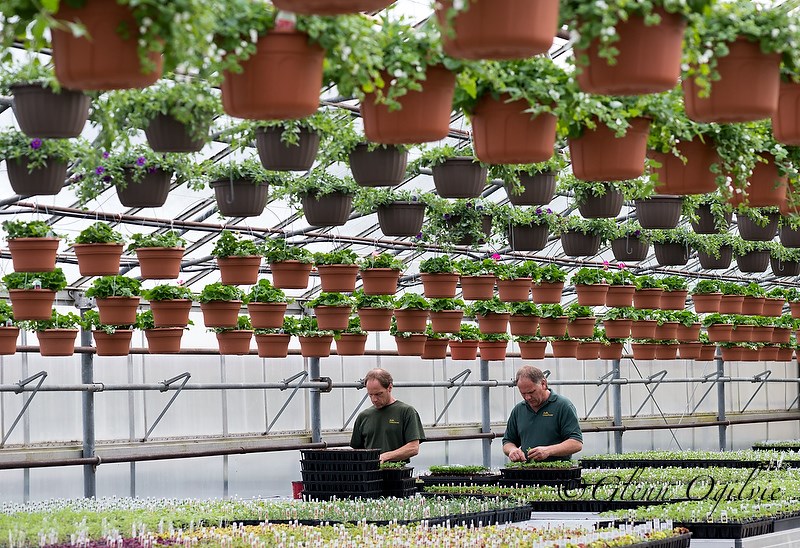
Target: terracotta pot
x=98, y=259
x=707, y=353
x=731, y=304
x=290, y=274
x=773, y=307
x=375, y=319
x=32, y=304
x=171, y=313
x=499, y=29
x=477, y=288
x=688, y=333
x=532, y=350
x=493, y=350
x=459, y=177
x=732, y=354
x=598, y=155
x=424, y=116
x=620, y=296
x=794, y=308
x=752, y=306
x=464, y=350
x=667, y=331
x=617, y=329
x=547, y=293
x=709, y=262
x=587, y=351
x=239, y=270
x=380, y=281
x=693, y=177
x=413, y=345
x=745, y=67
x=667, y=352
x=503, y=133
x=401, y=219
x=276, y=155
x=273, y=345
x=753, y=232
x=705, y=223
x=57, y=342
x=280, y=81
x=644, y=351
x=611, y=351
x=493, y=323
x=159, y=263
x=592, y=295
x=765, y=188
x=674, y=300
x=578, y=244
x=690, y=350
x=328, y=210
x=768, y=354
x=643, y=329
x=706, y=302
x=220, y=313
x=33, y=254
x=581, y=328
x=538, y=189
x=47, y=180
x=411, y=320
x=528, y=238
x=165, y=340
x=446, y=321
x=524, y=326
x=647, y=299
x=266, y=315
x=763, y=334
x=435, y=349
x=605, y=206
x=8, y=340
x=384, y=166
x=786, y=119
x=166, y=134
x=439, y=286
x=240, y=197
x=784, y=269
x=659, y=211
x=234, y=343
x=649, y=59
x=553, y=327
x=513, y=291
x=118, y=310
x=332, y=318
x=101, y=58
x=671, y=254
x=316, y=347
x=742, y=333
x=781, y=335
x=331, y=7
x=114, y=344
x=151, y=190
x=338, y=278
x=784, y=355
x=351, y=344
x=720, y=333
x=564, y=349
x=43, y=113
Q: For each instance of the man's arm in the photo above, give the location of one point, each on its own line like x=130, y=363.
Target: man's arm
x=566, y=448
x=411, y=449
x=514, y=453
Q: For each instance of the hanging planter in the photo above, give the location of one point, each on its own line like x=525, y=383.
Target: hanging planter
x=235, y=270
x=446, y=321
x=315, y=347
x=647, y=298
x=375, y=319
x=338, y=278
x=331, y=7
x=32, y=304
x=240, y=197
x=719, y=333
x=504, y=133
x=690, y=350
x=706, y=222
x=290, y=274
x=731, y=304
x=273, y=345
x=580, y=328
x=644, y=351
x=382, y=166
x=117, y=310
x=412, y=345
x=464, y=350
x=537, y=189
x=266, y=315
x=280, y=81
x=667, y=331
x=674, y=300
x=45, y=114
x=117, y=343
x=606, y=205
x=753, y=261
x=478, y=288
x=732, y=353
x=470, y=239
x=277, y=155
x=643, y=329
x=553, y=327
x=695, y=176
x=411, y=320
x=789, y=237
x=8, y=340
x=785, y=269
x=630, y=249
x=493, y=350
x=235, y=342
x=332, y=318
x=752, y=306
x=523, y=326
x=752, y=231
x=667, y=352
x=498, y=29
x=773, y=307
x=532, y=350
x=578, y=244
x=460, y=177
x=380, y=281
x=493, y=322
x=439, y=286
x=611, y=351
x=659, y=211
x=401, y=219
x=528, y=238
x=98, y=259
x=351, y=344
x=166, y=134
x=592, y=295
x=671, y=254
x=587, y=350
x=599, y=155
x=564, y=349
x=424, y=114
x=41, y=181
x=617, y=329
x=57, y=342
x=785, y=120
x=171, y=312
x=516, y=290
x=165, y=340
x=220, y=313
x=710, y=262
x=327, y=210
x=151, y=191
x=33, y=254
x=547, y=293
x=766, y=186
x=620, y=296
x=159, y=263
x=435, y=349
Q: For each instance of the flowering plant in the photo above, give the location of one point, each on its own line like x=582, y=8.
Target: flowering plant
x=451, y=221
x=510, y=173
x=629, y=229
x=247, y=170
x=15, y=145
x=32, y=71
x=368, y=200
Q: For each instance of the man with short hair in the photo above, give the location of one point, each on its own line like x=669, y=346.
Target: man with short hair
x=544, y=427
x=389, y=425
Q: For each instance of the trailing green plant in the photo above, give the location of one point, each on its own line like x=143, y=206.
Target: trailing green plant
x=91, y=322
x=783, y=254
x=437, y=155
x=621, y=277
x=743, y=247
x=495, y=337
x=584, y=190
x=340, y=256
x=114, y=286
x=457, y=470
x=598, y=227
x=453, y=221
x=550, y=274
x=243, y=323
x=67, y=320
x=228, y=245
x=362, y=300
x=249, y=170
x=331, y=299
x=368, y=200
x=583, y=111
x=720, y=208
x=508, y=271
x=412, y=301
x=53, y=280
x=484, y=308
x=442, y=305
x=276, y=250
x=219, y=292
x=381, y=260
x=576, y=311
x=38, y=153
x=511, y=174
x=316, y=183
x=30, y=70
x=506, y=216
x=630, y=229
x=716, y=319
x=443, y=264
x=265, y=292
x=704, y=287
x=678, y=235
x=590, y=276
x=758, y=215
x=469, y=267
x=99, y=233
x=523, y=308
x=731, y=288
x=28, y=229
x=168, y=292
x=711, y=244
x=170, y=238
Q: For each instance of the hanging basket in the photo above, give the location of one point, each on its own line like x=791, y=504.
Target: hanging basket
x=375, y=319
x=165, y=340
x=446, y=321
x=599, y=155
x=290, y=274
x=538, y=189
x=675, y=177
x=8, y=340
x=469, y=239
x=705, y=220
x=789, y=237
x=766, y=187
x=785, y=269
x=547, y=293
x=499, y=29
x=587, y=351
x=773, y=307
x=503, y=133
x=532, y=350
x=327, y=210
x=493, y=350
x=617, y=329
x=42, y=181
x=171, y=312
x=220, y=313
x=644, y=351
x=620, y=296
x=578, y=244
x=752, y=306
x=459, y=177
x=674, y=300
x=57, y=342
x=592, y=294
x=275, y=155
x=32, y=304
x=234, y=343
x=102, y=58
x=630, y=249
x=612, y=351
x=151, y=190
x=240, y=197
x=785, y=120
x=351, y=344
x=553, y=327
x=649, y=58
x=331, y=7
x=528, y=238
x=523, y=326
x=731, y=304
x=463, y=350
x=239, y=270
x=564, y=349
x=98, y=259
x=280, y=81
x=33, y=254
x=424, y=116
x=667, y=331
x=117, y=343
x=117, y=310
x=439, y=286
x=659, y=211
x=160, y=263
x=514, y=291
x=266, y=315
x=647, y=299
x=745, y=67
x=671, y=254
x=606, y=206
x=166, y=134
x=383, y=166
x=493, y=323
x=581, y=328
x=380, y=281
x=754, y=261
x=751, y=231
x=45, y=114
x=338, y=278
x=710, y=262
x=690, y=350
x=477, y=288
x=643, y=329
x=273, y=345
x=435, y=349
x=413, y=345
x=401, y=219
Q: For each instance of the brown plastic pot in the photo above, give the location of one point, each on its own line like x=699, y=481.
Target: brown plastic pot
x=781, y=335
x=547, y=293
x=599, y=155
x=383, y=166
x=47, y=180
x=532, y=350
x=742, y=333
x=331, y=7
x=765, y=188
x=446, y=321
x=667, y=352
x=113, y=344
x=165, y=340
x=620, y=296
x=464, y=350
x=705, y=223
x=239, y=270
x=117, y=310
x=459, y=177
x=564, y=349
x=769, y=353
x=578, y=244
x=671, y=254
x=763, y=333
x=332, y=318
x=784, y=354
x=719, y=333
x=411, y=320
x=784, y=269
x=166, y=134
x=98, y=259
x=375, y=319
x=643, y=329
x=234, y=343
x=477, y=288
x=675, y=177
x=731, y=354
x=439, y=286
x=674, y=300
x=435, y=349
x=33, y=254
x=630, y=249
x=57, y=342
x=380, y=281
x=8, y=340
x=751, y=355
x=617, y=329
x=514, y=291
x=592, y=294
x=706, y=302
x=581, y=328
x=753, y=261
x=553, y=327
x=338, y=278
x=707, y=353
x=587, y=351
x=644, y=351
x=493, y=350
x=690, y=350
x=351, y=344
x=659, y=211
x=647, y=299
x=493, y=323
x=523, y=326
x=667, y=331
x=753, y=306
x=273, y=345
x=611, y=351
x=688, y=333
x=151, y=190
x=266, y=315
x=528, y=238
x=43, y=113
x=32, y=304
x=160, y=263
x=329, y=210
x=401, y=219
x=316, y=347
x=413, y=345
x=276, y=155
x=773, y=306
x=749, y=230
x=605, y=206
x=537, y=189
x=171, y=313
x=709, y=262
x=290, y=274
x=731, y=304
x=240, y=197
x=220, y=313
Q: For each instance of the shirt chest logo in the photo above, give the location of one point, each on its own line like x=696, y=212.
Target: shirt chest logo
x=394, y=421
x=547, y=414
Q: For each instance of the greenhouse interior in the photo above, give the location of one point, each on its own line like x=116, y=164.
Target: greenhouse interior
x=400, y=273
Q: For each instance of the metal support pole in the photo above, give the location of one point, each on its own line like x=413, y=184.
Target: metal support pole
x=486, y=421
x=616, y=402
x=314, y=402
x=723, y=433
x=87, y=408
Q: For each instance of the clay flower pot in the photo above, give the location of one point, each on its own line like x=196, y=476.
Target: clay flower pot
x=57, y=342
x=517, y=290
x=719, y=333
x=731, y=304
x=338, y=278
x=33, y=254
x=592, y=295
x=547, y=293
x=273, y=345
x=674, y=300
x=435, y=349
x=667, y=331
x=117, y=310
x=332, y=318
x=706, y=302
x=32, y=304
x=316, y=347
x=113, y=344
x=171, y=313
x=599, y=155
x=690, y=350
x=413, y=345
x=493, y=350
x=688, y=333
x=752, y=306
x=351, y=344
x=587, y=351
x=98, y=259
x=647, y=299
x=380, y=281
x=732, y=354
x=239, y=270
x=493, y=323
x=643, y=329
x=478, y=288
x=290, y=274
x=742, y=333
x=375, y=319
x=666, y=351
x=463, y=350
x=164, y=340
x=781, y=336
x=532, y=350
x=553, y=327
x=786, y=119
x=160, y=263
x=581, y=328
x=644, y=351
x=707, y=352
x=446, y=321
x=439, y=286
x=8, y=340
x=617, y=329
x=773, y=307
x=675, y=177
x=564, y=349
x=523, y=326
x=266, y=315
x=620, y=296
x=411, y=320
x=220, y=313
x=611, y=351
x=234, y=343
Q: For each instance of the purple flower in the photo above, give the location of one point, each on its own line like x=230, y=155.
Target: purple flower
x=36, y=144
x=140, y=161
x=419, y=235
x=446, y=216
x=107, y=179
x=549, y=210
x=106, y=155
x=414, y=197
x=538, y=210
x=479, y=208
x=99, y=170
x=152, y=169
x=637, y=233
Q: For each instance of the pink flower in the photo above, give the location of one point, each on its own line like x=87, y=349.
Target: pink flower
x=621, y=266
x=605, y=265
x=496, y=256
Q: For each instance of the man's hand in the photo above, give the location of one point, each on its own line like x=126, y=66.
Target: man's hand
x=384, y=457
x=539, y=453
x=517, y=455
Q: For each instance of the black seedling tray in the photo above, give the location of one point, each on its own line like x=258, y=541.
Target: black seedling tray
x=399, y=493
x=340, y=487
x=681, y=541
x=396, y=474
x=567, y=483
x=397, y=485
x=340, y=465
x=344, y=477
x=477, y=479
x=341, y=454
x=328, y=495
x=735, y=530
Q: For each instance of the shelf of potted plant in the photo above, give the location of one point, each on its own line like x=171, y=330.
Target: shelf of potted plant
x=159, y=254
x=274, y=343
x=56, y=334
x=220, y=304
x=32, y=293
x=290, y=265
x=492, y=316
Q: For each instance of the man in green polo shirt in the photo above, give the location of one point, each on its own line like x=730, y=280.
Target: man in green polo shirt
x=389, y=425
x=544, y=427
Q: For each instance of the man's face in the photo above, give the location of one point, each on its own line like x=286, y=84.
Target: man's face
x=535, y=394
x=378, y=395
